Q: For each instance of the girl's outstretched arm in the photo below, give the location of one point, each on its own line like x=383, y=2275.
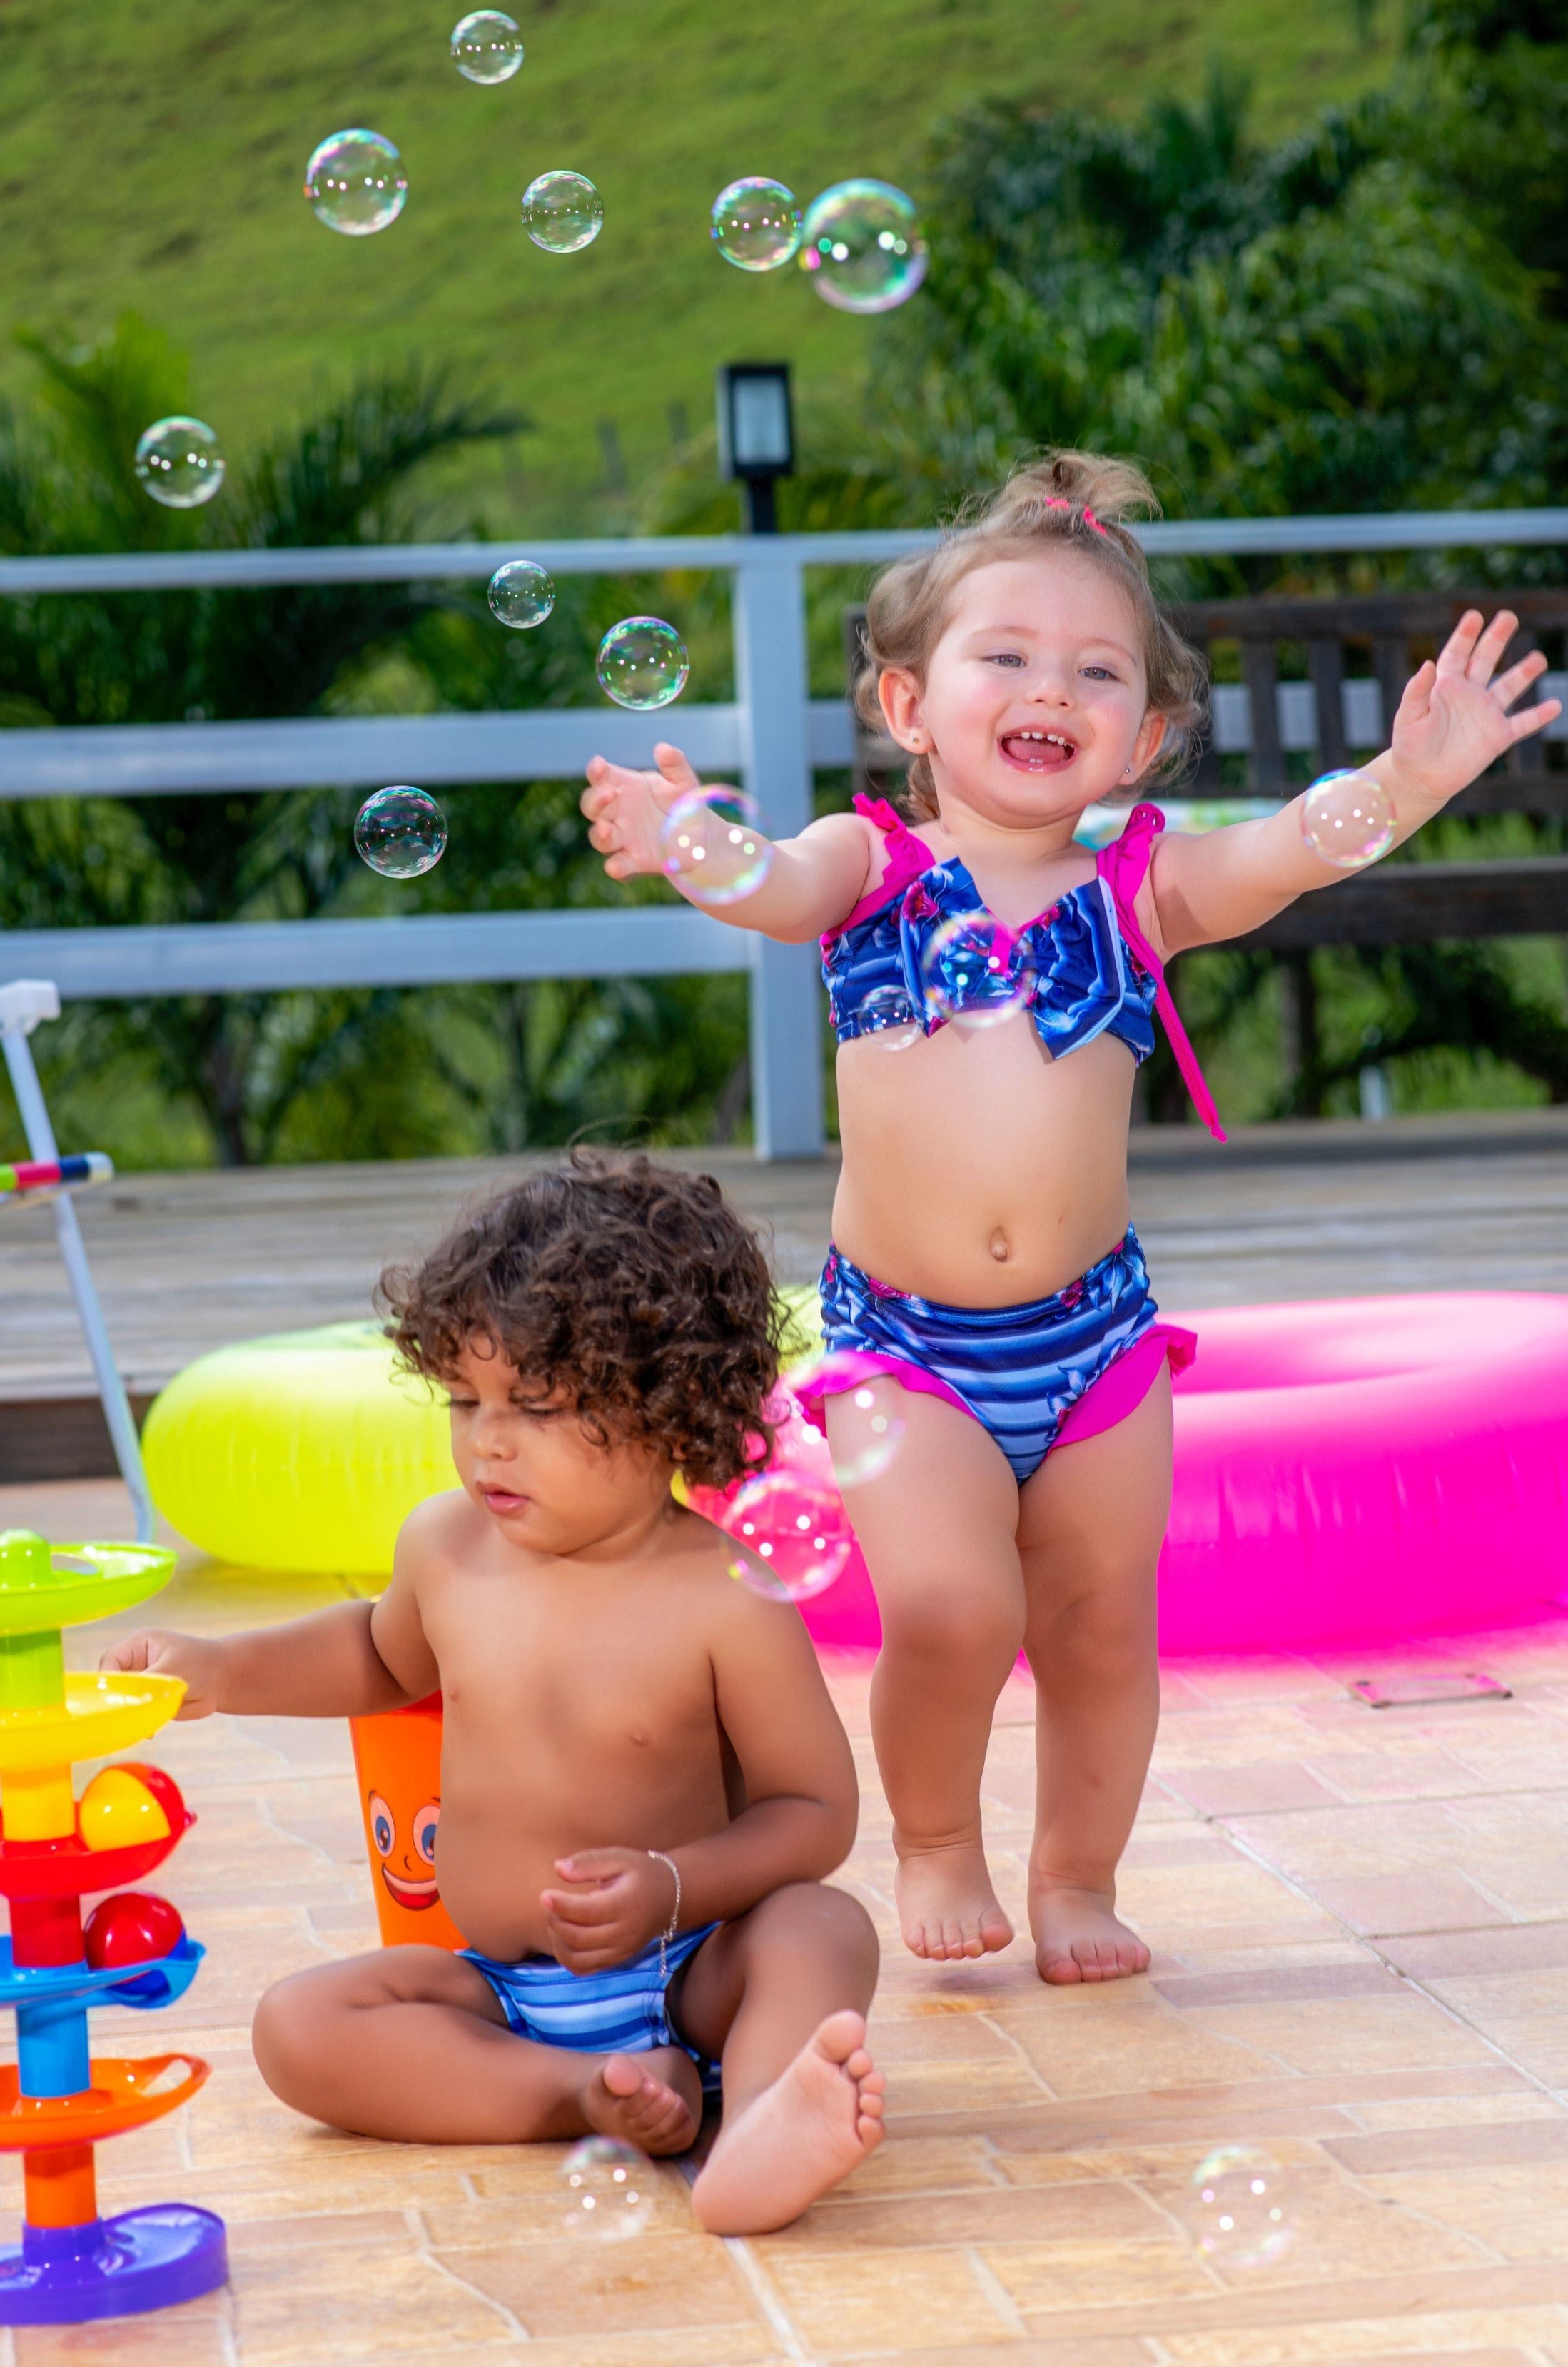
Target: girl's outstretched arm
x=1454, y=721
x=812, y=882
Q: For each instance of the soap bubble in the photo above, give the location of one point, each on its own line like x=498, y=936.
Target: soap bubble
x=976, y=972
x=562, y=211
x=756, y=224
x=178, y=462
x=400, y=833
x=642, y=662
x=712, y=841
x=521, y=594
x=788, y=1537
x=487, y=46
x=1241, y=2207
x=889, y=1018
x=609, y=2191
x=867, y=1431
x=1347, y=818
x=355, y=182
x=861, y=241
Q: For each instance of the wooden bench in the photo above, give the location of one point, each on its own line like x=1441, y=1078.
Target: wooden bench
x=1360, y=653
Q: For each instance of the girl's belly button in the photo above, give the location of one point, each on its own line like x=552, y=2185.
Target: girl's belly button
x=1000, y=1248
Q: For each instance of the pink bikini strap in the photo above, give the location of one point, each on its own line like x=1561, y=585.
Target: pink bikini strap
x=907, y=857
x=1122, y=866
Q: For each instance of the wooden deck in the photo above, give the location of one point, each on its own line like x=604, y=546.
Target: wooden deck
x=188, y=1262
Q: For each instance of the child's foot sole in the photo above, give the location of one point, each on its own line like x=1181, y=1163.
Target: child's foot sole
x=652, y=2100
x=946, y=1906
x=1079, y=1937
x=818, y=2122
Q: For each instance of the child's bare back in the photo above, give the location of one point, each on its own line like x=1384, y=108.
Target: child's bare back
x=644, y=1781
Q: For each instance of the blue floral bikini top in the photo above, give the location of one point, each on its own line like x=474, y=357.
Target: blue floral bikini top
x=1085, y=967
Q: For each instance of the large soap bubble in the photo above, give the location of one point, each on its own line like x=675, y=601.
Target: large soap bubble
x=178, y=462
x=1241, y=2207
x=562, y=211
x=521, y=594
x=788, y=1538
x=974, y=971
x=756, y=224
x=861, y=241
x=401, y=831
x=487, y=46
x=1347, y=818
x=712, y=844
x=609, y=2191
x=355, y=182
x=642, y=662
x=889, y=1018
x=867, y=1431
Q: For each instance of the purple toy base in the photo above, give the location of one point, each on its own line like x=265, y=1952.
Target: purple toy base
x=149, y=2259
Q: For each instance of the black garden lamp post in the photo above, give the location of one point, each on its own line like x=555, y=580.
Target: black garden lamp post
x=756, y=435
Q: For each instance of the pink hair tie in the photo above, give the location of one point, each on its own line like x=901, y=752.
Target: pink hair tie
x=1056, y=502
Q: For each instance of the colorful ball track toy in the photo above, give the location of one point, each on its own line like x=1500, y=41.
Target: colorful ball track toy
x=56, y=2102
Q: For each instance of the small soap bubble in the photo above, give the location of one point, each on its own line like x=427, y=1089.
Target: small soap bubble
x=561, y=212
x=861, y=241
x=889, y=1018
x=1241, y=2208
x=1347, y=818
x=401, y=831
x=756, y=224
x=865, y=1432
x=788, y=1537
x=355, y=182
x=609, y=2191
x=178, y=462
x=487, y=46
x=521, y=594
x=711, y=841
x=642, y=662
x=976, y=972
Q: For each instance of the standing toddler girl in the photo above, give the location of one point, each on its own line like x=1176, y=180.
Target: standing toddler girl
x=985, y=1278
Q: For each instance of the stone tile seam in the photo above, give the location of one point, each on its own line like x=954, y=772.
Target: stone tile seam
x=424, y=2249
x=769, y=2300
x=1461, y=2021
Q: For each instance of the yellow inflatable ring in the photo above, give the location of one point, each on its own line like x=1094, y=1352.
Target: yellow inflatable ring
x=307, y=1451
x=302, y=1452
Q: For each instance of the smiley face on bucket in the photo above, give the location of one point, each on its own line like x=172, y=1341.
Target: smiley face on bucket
x=407, y=1858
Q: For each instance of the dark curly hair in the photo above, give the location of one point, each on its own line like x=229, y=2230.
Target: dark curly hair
x=631, y=1292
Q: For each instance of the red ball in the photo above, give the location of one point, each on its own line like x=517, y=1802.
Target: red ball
x=133, y=1927
x=164, y=1788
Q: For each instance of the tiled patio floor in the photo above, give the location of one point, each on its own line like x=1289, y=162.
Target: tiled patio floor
x=1360, y=1928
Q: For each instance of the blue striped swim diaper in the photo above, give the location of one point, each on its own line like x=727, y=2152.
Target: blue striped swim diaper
x=624, y=2010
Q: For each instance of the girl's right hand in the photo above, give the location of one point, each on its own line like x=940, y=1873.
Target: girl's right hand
x=626, y=808
x=197, y=1659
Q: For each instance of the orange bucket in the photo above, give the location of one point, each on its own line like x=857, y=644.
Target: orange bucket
x=397, y=1756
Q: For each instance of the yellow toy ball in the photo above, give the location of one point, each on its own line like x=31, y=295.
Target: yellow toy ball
x=117, y=1810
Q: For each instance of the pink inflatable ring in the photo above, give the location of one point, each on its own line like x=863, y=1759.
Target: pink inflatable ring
x=1358, y=1469
x=1347, y=1471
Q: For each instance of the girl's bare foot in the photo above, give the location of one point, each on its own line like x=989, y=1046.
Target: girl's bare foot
x=652, y=2100
x=818, y=2122
x=1079, y=1937
x=946, y=1905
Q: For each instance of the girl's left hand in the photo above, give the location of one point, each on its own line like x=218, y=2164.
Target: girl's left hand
x=1453, y=720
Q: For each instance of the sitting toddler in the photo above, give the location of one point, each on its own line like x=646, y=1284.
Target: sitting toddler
x=644, y=1783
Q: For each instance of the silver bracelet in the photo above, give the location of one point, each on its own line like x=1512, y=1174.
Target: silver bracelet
x=668, y=1932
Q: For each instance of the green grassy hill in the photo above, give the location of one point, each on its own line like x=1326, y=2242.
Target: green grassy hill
x=151, y=156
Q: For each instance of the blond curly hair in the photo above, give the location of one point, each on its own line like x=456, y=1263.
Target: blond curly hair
x=1077, y=501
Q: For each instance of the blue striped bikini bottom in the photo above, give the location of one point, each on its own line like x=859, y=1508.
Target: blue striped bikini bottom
x=1044, y=1375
